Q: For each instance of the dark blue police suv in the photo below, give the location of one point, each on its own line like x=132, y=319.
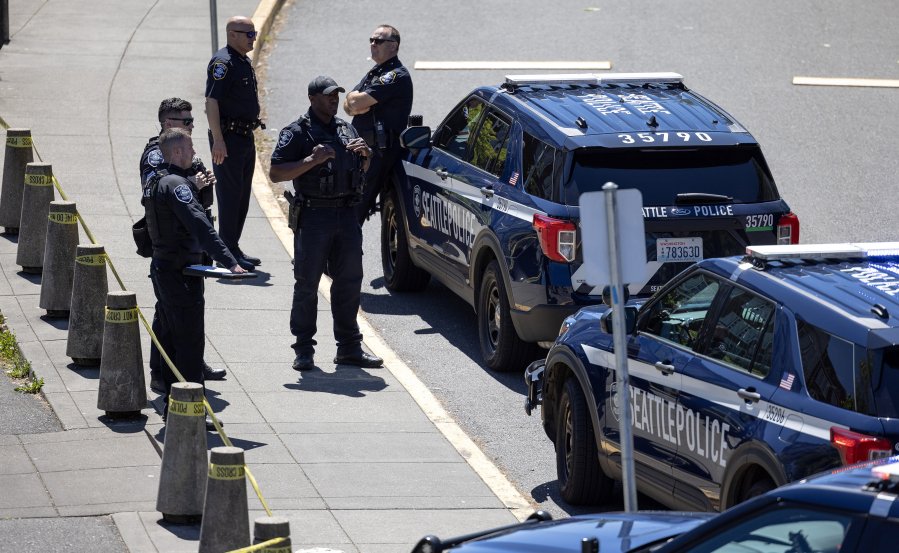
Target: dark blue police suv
x=488, y=202
x=745, y=374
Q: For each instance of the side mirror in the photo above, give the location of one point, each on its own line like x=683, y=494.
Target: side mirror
x=630, y=320
x=415, y=139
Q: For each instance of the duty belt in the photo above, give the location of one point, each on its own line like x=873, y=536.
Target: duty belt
x=339, y=202
x=179, y=258
x=241, y=127
x=370, y=138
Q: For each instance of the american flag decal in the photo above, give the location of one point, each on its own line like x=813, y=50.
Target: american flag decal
x=787, y=381
x=514, y=179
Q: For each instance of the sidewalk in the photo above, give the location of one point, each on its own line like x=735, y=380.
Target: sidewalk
x=346, y=453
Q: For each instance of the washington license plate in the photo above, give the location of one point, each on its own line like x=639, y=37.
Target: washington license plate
x=679, y=249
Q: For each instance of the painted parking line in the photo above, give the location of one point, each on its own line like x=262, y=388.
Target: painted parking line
x=555, y=65
x=821, y=81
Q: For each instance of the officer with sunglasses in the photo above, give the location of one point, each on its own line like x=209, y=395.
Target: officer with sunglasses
x=232, y=109
x=174, y=113
x=380, y=105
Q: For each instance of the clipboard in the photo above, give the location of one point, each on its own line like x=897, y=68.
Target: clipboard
x=215, y=272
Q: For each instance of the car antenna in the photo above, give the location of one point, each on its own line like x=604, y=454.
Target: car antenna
x=652, y=121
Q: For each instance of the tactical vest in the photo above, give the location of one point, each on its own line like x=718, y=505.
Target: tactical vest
x=338, y=177
x=161, y=221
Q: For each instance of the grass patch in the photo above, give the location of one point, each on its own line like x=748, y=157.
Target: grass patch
x=14, y=363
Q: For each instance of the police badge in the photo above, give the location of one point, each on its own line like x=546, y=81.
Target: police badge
x=183, y=193
x=284, y=139
x=388, y=77
x=155, y=158
x=219, y=70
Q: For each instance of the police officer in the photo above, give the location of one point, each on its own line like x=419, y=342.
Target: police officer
x=174, y=113
x=325, y=159
x=232, y=109
x=380, y=105
x=180, y=232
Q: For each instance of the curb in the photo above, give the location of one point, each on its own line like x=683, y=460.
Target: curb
x=498, y=483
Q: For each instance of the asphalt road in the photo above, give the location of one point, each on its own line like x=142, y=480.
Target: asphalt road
x=832, y=150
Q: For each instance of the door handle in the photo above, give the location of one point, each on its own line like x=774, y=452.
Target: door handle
x=664, y=367
x=487, y=192
x=442, y=174
x=749, y=394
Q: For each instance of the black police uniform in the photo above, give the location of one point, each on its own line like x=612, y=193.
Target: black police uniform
x=391, y=85
x=328, y=231
x=150, y=159
x=231, y=81
x=180, y=232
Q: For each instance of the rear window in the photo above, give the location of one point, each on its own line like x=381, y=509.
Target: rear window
x=738, y=172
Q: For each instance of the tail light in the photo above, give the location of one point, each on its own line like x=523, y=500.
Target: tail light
x=788, y=229
x=556, y=238
x=855, y=447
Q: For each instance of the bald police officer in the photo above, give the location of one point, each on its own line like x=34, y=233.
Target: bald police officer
x=175, y=113
x=232, y=109
x=380, y=105
x=325, y=159
x=180, y=232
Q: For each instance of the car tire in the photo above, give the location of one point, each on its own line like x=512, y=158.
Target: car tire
x=581, y=479
x=759, y=488
x=502, y=349
x=400, y=273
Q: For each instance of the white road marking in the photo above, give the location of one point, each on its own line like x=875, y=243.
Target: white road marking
x=821, y=81
x=453, y=65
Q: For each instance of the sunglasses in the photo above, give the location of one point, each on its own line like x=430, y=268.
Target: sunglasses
x=188, y=121
x=379, y=41
x=250, y=34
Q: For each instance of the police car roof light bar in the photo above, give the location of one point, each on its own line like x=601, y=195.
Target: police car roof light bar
x=591, y=78
x=816, y=251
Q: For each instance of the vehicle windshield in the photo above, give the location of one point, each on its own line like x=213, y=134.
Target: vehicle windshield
x=662, y=174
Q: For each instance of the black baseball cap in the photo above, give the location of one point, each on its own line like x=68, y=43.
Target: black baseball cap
x=323, y=85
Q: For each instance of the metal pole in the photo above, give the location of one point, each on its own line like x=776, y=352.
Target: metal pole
x=4, y=22
x=214, y=26
x=620, y=341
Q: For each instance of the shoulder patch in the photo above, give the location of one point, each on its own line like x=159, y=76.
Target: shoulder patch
x=155, y=157
x=284, y=138
x=183, y=193
x=219, y=70
x=388, y=77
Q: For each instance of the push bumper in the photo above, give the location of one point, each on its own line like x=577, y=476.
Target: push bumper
x=533, y=376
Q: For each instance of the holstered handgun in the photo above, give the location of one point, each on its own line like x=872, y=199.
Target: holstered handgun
x=294, y=208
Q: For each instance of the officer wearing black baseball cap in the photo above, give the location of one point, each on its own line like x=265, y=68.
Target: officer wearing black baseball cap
x=326, y=160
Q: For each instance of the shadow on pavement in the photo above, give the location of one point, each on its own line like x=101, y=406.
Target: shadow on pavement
x=346, y=380
x=262, y=279
x=447, y=315
x=550, y=491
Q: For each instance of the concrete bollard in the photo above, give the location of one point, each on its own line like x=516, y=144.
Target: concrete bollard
x=36, y=200
x=59, y=257
x=18, y=155
x=87, y=315
x=269, y=528
x=182, y=480
x=123, y=391
x=226, y=519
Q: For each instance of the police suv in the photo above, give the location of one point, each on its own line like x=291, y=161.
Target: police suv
x=488, y=203
x=745, y=374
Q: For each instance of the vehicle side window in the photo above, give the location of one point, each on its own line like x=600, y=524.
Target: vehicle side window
x=537, y=167
x=740, y=331
x=836, y=372
x=887, y=538
x=679, y=314
x=782, y=531
x=455, y=134
x=488, y=151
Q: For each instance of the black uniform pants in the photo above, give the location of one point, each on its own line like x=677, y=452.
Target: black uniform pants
x=329, y=236
x=234, y=186
x=375, y=178
x=179, y=309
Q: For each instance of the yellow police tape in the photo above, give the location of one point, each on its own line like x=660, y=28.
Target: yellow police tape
x=227, y=472
x=121, y=315
x=91, y=259
x=264, y=547
x=18, y=141
x=63, y=217
x=168, y=360
x=187, y=408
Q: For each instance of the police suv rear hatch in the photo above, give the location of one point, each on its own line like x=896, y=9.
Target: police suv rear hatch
x=699, y=202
